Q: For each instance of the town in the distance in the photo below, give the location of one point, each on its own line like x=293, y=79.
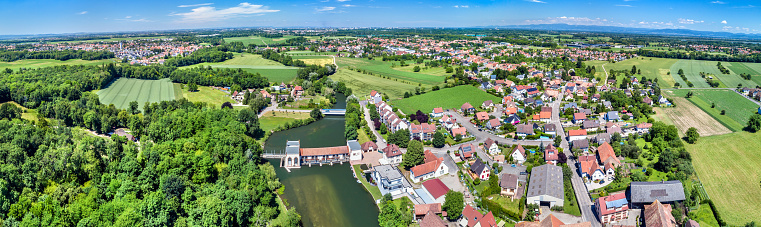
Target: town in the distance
x=477, y=126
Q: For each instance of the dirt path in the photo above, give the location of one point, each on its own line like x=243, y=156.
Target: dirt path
x=686, y=115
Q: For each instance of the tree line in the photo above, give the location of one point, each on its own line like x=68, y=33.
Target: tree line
x=62, y=55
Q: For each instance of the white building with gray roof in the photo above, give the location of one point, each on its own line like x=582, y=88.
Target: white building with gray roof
x=545, y=186
x=391, y=181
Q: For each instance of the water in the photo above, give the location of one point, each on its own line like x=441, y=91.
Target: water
x=326, y=195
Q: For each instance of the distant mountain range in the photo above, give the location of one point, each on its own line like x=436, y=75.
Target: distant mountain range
x=644, y=31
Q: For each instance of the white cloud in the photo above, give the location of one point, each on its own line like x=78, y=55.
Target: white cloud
x=326, y=8
x=718, y=2
x=343, y=0
x=739, y=29
x=724, y=22
x=82, y=13
x=195, y=5
x=349, y=5
x=689, y=21
x=535, y=1
x=461, y=6
x=745, y=7
x=210, y=13
x=129, y=18
x=624, y=5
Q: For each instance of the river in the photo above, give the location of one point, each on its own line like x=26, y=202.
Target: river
x=324, y=195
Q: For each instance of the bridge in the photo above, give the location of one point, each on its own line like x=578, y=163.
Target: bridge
x=334, y=112
x=273, y=154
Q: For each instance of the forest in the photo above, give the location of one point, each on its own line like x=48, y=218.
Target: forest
x=62, y=55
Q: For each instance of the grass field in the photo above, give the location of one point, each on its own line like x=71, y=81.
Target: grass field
x=362, y=84
x=728, y=167
x=253, y=63
x=206, y=94
x=692, y=69
x=686, y=115
x=447, y=98
x=111, y=39
x=273, y=119
x=754, y=69
x=125, y=90
x=436, y=71
x=314, y=60
x=651, y=68
x=704, y=216
x=738, y=108
x=384, y=68
x=39, y=63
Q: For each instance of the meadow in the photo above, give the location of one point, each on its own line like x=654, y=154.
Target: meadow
x=254, y=63
x=686, y=115
x=262, y=41
x=314, y=60
x=447, y=98
x=39, y=63
x=362, y=84
x=204, y=94
x=125, y=90
x=754, y=69
x=111, y=39
x=727, y=166
x=651, y=68
x=384, y=68
x=738, y=108
x=692, y=69
x=273, y=119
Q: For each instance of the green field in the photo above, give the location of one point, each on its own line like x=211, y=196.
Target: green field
x=39, y=63
x=253, y=63
x=273, y=119
x=728, y=167
x=738, y=108
x=362, y=84
x=704, y=216
x=384, y=68
x=651, y=68
x=111, y=39
x=692, y=69
x=204, y=94
x=754, y=69
x=125, y=90
x=447, y=98
x=262, y=41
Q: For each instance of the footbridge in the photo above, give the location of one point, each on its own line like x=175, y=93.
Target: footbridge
x=333, y=112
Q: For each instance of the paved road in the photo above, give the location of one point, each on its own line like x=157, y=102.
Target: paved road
x=380, y=141
x=482, y=135
x=580, y=189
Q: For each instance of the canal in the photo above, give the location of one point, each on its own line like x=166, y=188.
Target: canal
x=324, y=195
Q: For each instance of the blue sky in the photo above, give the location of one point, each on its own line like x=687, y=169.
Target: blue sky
x=47, y=16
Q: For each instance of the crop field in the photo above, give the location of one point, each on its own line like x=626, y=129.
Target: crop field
x=253, y=63
x=39, y=63
x=204, y=94
x=258, y=40
x=111, y=39
x=362, y=84
x=686, y=115
x=692, y=69
x=728, y=167
x=738, y=108
x=125, y=90
x=754, y=69
x=651, y=68
x=447, y=98
x=384, y=68
x=435, y=71
x=314, y=60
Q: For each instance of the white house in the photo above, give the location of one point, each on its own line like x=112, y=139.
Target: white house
x=480, y=169
x=392, y=155
x=355, y=150
x=391, y=181
x=589, y=168
x=432, y=168
x=518, y=154
x=491, y=146
x=437, y=112
x=576, y=134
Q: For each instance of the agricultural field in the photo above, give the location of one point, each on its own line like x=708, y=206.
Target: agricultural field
x=314, y=60
x=738, y=108
x=686, y=115
x=448, y=98
x=692, y=69
x=272, y=119
x=754, y=69
x=262, y=41
x=253, y=63
x=728, y=167
x=385, y=69
x=125, y=90
x=112, y=39
x=435, y=71
x=362, y=84
x=39, y=63
x=651, y=68
x=204, y=94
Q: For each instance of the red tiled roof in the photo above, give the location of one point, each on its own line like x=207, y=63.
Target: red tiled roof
x=436, y=188
x=658, y=214
x=545, y=115
x=429, y=156
x=324, y=151
x=373, y=93
x=521, y=149
x=392, y=150
x=482, y=116
x=550, y=153
x=580, y=132
x=579, y=116
x=369, y=144
x=431, y=220
x=438, y=110
x=422, y=128
x=425, y=168
x=471, y=214
x=466, y=106
x=603, y=207
x=605, y=151
x=588, y=164
x=459, y=131
x=422, y=209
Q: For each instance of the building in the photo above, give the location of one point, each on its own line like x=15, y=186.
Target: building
x=551, y=221
x=432, y=168
x=643, y=193
x=493, y=124
x=491, y=146
x=422, y=132
x=589, y=169
x=467, y=108
x=122, y=132
x=644, y=127
x=509, y=185
x=582, y=145
x=480, y=169
x=355, y=150
x=545, y=116
x=579, y=118
x=590, y=126
x=391, y=181
x=482, y=116
x=292, y=157
x=297, y=91
x=612, y=208
x=658, y=214
x=551, y=154
x=437, y=112
x=545, y=187
x=612, y=116
x=431, y=220
x=524, y=130
x=608, y=158
x=518, y=154
x=472, y=218
x=577, y=134
x=392, y=154
x=488, y=104
x=467, y=150
x=436, y=189
x=369, y=146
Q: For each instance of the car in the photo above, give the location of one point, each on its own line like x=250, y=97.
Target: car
x=524, y=173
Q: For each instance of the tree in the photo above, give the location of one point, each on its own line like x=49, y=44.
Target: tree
x=390, y=216
x=383, y=129
x=9, y=111
x=401, y=138
x=416, y=69
x=316, y=114
x=192, y=87
x=250, y=119
x=723, y=112
x=351, y=132
x=691, y=136
x=227, y=105
x=557, y=141
x=438, y=140
x=414, y=156
x=133, y=107
x=562, y=158
x=754, y=123
x=453, y=205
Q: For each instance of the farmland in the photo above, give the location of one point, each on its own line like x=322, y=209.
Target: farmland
x=39, y=63
x=384, y=68
x=125, y=90
x=727, y=166
x=754, y=69
x=686, y=115
x=738, y=108
x=273, y=119
x=362, y=84
x=205, y=94
x=447, y=98
x=692, y=69
x=651, y=68
x=314, y=60
x=262, y=41
x=274, y=71
x=111, y=39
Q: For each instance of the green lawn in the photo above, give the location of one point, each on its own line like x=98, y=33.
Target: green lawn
x=254, y=63
x=208, y=95
x=507, y=203
x=570, y=204
x=385, y=68
x=111, y=39
x=704, y=216
x=39, y=63
x=738, y=108
x=362, y=84
x=447, y=98
x=125, y=90
x=728, y=167
x=651, y=68
x=28, y=114
x=374, y=191
x=273, y=119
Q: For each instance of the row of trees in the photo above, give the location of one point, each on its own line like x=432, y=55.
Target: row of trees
x=61, y=55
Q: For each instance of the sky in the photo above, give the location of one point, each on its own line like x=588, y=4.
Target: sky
x=19, y=17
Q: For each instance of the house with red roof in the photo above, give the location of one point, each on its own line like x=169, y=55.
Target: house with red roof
x=467, y=108
x=612, y=208
x=437, y=112
x=472, y=218
x=545, y=116
x=482, y=116
x=422, y=132
x=579, y=118
x=491, y=146
x=297, y=91
x=458, y=131
x=493, y=124
x=432, y=168
x=422, y=209
x=518, y=154
x=577, y=134
x=589, y=168
x=608, y=158
x=551, y=154
x=430, y=219
x=392, y=154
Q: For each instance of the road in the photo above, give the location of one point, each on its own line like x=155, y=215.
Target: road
x=580, y=189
